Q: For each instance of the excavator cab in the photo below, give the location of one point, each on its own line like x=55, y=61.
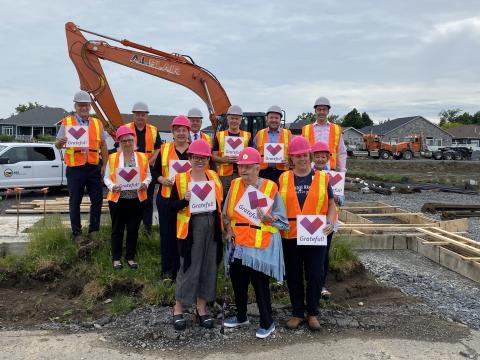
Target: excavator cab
x=251, y=122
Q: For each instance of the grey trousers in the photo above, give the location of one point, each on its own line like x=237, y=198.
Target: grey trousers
x=200, y=279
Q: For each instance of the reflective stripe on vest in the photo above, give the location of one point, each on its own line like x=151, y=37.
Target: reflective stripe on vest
x=150, y=138
x=334, y=133
x=207, y=138
x=245, y=232
x=142, y=164
x=168, y=153
x=262, y=138
x=183, y=216
x=77, y=156
x=316, y=202
x=226, y=169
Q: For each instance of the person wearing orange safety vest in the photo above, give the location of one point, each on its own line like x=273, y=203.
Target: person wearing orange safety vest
x=257, y=253
x=304, y=192
x=273, y=134
x=195, y=116
x=126, y=205
x=199, y=237
x=84, y=168
x=327, y=132
x=227, y=165
x=147, y=141
x=170, y=151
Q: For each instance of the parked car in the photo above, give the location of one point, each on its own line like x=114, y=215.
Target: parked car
x=31, y=165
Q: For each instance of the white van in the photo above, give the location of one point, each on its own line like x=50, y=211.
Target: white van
x=31, y=165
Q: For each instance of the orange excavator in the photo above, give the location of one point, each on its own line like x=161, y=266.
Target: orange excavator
x=180, y=69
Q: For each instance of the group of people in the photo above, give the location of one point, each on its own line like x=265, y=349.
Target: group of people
x=260, y=244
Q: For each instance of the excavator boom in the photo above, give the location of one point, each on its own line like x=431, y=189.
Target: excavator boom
x=176, y=68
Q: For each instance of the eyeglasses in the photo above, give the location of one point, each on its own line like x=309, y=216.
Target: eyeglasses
x=199, y=158
x=126, y=141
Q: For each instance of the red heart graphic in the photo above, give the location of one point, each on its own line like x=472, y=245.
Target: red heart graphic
x=77, y=134
x=256, y=202
x=127, y=175
x=335, y=179
x=274, y=149
x=234, y=143
x=201, y=192
x=311, y=226
x=181, y=168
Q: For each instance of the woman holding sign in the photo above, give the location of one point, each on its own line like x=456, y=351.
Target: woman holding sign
x=196, y=199
x=308, y=199
x=171, y=160
x=127, y=179
x=253, y=215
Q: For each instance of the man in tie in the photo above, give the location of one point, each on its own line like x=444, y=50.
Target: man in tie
x=195, y=116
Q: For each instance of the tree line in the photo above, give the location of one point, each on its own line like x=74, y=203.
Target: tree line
x=455, y=117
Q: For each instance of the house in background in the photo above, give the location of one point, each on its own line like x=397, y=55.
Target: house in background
x=396, y=130
x=466, y=135
x=353, y=138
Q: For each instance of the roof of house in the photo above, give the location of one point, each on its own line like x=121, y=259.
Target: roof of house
x=352, y=128
x=465, y=132
x=387, y=126
x=46, y=116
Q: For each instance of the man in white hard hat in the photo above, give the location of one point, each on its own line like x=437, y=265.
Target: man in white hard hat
x=195, y=116
x=264, y=142
x=324, y=131
x=147, y=141
x=83, y=165
x=227, y=164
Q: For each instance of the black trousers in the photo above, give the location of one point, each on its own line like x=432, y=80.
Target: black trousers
x=126, y=213
x=241, y=277
x=299, y=261
x=148, y=206
x=271, y=173
x=326, y=260
x=168, y=237
x=78, y=178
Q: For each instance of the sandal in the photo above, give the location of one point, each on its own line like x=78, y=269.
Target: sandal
x=179, y=322
x=205, y=321
x=325, y=293
x=132, y=264
x=117, y=265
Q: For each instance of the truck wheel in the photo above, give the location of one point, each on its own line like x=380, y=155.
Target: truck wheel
x=457, y=156
x=407, y=155
x=447, y=156
x=384, y=155
x=437, y=156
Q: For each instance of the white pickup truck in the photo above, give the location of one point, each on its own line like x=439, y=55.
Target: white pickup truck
x=31, y=165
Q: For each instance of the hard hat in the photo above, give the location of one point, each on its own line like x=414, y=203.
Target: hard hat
x=82, y=97
x=199, y=147
x=235, y=110
x=320, y=147
x=122, y=131
x=275, y=109
x=248, y=156
x=181, y=120
x=140, y=107
x=194, y=113
x=322, y=101
x=298, y=145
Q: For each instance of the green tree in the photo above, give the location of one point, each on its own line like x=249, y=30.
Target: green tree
x=366, y=121
x=448, y=116
x=26, y=107
x=306, y=118
x=352, y=119
x=334, y=118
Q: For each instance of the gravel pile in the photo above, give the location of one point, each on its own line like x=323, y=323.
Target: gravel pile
x=414, y=203
x=442, y=291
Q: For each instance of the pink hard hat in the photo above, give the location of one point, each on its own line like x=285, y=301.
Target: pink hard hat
x=199, y=147
x=320, y=147
x=298, y=145
x=122, y=131
x=248, y=156
x=181, y=120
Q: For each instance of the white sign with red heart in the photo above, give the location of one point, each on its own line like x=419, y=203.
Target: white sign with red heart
x=250, y=201
x=337, y=182
x=178, y=166
x=77, y=136
x=128, y=178
x=273, y=153
x=310, y=230
x=202, y=197
x=233, y=145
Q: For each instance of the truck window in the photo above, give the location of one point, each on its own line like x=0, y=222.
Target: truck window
x=16, y=154
x=42, y=153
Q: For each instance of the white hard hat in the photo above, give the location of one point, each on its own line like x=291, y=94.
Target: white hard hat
x=235, y=110
x=275, y=109
x=140, y=107
x=195, y=113
x=322, y=101
x=82, y=97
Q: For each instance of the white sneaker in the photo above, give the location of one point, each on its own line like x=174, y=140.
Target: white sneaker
x=233, y=322
x=263, y=333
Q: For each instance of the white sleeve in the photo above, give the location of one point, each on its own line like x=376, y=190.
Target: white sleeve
x=107, y=180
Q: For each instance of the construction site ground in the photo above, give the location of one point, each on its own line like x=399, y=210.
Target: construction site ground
x=396, y=305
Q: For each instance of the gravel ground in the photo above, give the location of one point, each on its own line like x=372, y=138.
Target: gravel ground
x=442, y=291
x=414, y=203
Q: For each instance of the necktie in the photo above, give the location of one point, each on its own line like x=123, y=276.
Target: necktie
x=195, y=136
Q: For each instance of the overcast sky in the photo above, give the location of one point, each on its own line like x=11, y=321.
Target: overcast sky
x=388, y=58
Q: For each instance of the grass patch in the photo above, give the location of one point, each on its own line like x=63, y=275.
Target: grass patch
x=341, y=256
x=122, y=304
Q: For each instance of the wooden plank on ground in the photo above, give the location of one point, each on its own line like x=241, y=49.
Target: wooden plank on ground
x=475, y=250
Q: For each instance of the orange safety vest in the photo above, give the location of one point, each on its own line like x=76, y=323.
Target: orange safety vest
x=226, y=169
x=206, y=137
x=142, y=163
x=335, y=132
x=183, y=216
x=168, y=153
x=246, y=233
x=262, y=138
x=77, y=156
x=150, y=138
x=316, y=202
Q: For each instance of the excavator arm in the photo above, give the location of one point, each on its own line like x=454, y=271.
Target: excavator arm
x=176, y=68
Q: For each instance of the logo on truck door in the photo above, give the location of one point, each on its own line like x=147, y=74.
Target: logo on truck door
x=8, y=173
